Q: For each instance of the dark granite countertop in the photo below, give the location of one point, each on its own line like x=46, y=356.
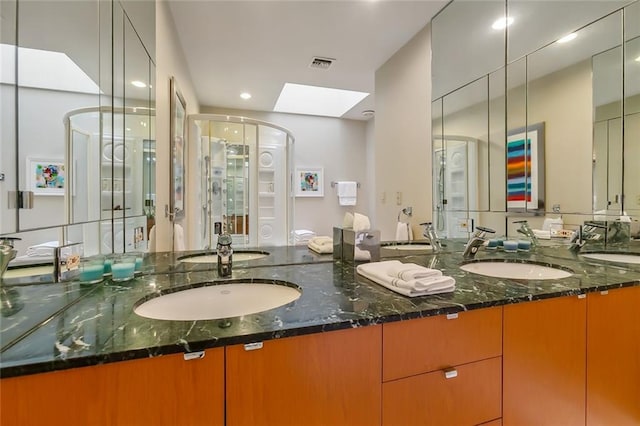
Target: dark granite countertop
x=66, y=325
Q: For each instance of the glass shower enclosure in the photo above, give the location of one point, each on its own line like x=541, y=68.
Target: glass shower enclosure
x=245, y=180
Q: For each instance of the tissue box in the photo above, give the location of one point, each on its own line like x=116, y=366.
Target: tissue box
x=356, y=246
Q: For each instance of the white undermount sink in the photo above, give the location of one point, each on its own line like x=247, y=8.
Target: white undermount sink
x=213, y=257
x=218, y=301
x=613, y=257
x=513, y=270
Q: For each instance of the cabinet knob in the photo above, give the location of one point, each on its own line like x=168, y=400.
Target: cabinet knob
x=450, y=373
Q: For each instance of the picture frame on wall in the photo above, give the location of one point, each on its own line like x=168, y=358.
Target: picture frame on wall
x=46, y=176
x=525, y=169
x=309, y=182
x=178, y=125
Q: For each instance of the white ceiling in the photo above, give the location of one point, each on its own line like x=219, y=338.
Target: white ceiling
x=257, y=46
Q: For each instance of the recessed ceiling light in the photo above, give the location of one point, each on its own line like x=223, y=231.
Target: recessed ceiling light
x=368, y=113
x=638, y=59
x=314, y=100
x=139, y=83
x=245, y=95
x=568, y=38
x=502, y=23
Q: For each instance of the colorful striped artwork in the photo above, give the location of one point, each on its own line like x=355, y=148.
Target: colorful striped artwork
x=524, y=157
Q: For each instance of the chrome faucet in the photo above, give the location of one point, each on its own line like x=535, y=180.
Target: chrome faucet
x=225, y=254
x=7, y=253
x=526, y=230
x=477, y=239
x=430, y=234
x=585, y=233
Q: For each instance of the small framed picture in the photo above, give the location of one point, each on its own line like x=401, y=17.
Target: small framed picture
x=46, y=176
x=309, y=182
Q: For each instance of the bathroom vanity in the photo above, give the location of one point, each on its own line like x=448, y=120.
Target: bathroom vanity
x=348, y=351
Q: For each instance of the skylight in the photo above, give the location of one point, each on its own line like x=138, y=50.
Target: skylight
x=44, y=69
x=314, y=100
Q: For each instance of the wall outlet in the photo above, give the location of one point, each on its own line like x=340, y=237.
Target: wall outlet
x=399, y=198
x=383, y=197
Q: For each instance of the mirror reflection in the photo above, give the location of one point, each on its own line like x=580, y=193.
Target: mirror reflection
x=84, y=141
x=573, y=87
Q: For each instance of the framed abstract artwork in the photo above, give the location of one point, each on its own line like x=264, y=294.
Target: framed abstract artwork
x=309, y=182
x=525, y=169
x=46, y=176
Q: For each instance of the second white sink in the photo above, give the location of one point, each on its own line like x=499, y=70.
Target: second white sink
x=613, y=257
x=513, y=270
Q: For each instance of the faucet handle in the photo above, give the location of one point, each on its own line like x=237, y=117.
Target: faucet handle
x=481, y=231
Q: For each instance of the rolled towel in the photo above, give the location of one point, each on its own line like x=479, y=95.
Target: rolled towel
x=411, y=271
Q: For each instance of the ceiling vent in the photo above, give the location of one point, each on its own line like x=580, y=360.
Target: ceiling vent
x=321, y=63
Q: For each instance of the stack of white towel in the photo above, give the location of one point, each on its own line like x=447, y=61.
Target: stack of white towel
x=42, y=250
x=408, y=279
x=302, y=236
x=321, y=245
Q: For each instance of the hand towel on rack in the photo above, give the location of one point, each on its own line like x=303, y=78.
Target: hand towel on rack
x=347, y=193
x=404, y=232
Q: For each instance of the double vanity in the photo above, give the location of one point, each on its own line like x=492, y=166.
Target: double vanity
x=303, y=339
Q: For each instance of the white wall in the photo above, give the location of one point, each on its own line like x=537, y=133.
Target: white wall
x=170, y=61
x=403, y=135
x=337, y=145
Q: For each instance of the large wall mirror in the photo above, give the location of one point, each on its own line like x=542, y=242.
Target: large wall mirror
x=541, y=116
x=81, y=139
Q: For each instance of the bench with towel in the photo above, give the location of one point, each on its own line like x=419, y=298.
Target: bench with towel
x=321, y=245
x=408, y=279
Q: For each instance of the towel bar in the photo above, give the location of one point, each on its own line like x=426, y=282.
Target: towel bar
x=333, y=184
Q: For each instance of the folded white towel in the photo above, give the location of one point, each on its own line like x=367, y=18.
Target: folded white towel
x=321, y=241
x=378, y=273
x=430, y=285
x=303, y=235
x=347, y=193
x=361, y=222
x=403, y=232
x=411, y=271
x=320, y=248
x=542, y=234
x=41, y=250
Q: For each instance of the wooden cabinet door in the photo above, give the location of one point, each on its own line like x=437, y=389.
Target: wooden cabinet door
x=331, y=378
x=544, y=362
x=613, y=357
x=469, y=397
x=165, y=390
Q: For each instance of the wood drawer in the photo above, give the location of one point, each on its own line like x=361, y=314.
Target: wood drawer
x=435, y=343
x=472, y=397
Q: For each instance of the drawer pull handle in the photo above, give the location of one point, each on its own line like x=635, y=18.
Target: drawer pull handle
x=604, y=292
x=452, y=316
x=253, y=346
x=451, y=373
x=193, y=355
x=582, y=296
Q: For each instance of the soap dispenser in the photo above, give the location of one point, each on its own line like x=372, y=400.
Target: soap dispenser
x=225, y=253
